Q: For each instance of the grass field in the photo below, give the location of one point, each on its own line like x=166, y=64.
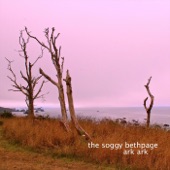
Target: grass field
x=48, y=137
x=13, y=156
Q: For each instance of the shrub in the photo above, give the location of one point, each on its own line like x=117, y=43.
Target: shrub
x=6, y=114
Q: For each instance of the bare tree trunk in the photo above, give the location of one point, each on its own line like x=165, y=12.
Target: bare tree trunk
x=58, y=63
x=31, y=108
x=61, y=99
x=148, y=119
x=149, y=108
x=80, y=130
x=30, y=92
x=63, y=109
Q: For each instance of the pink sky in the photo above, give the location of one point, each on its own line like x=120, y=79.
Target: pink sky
x=111, y=48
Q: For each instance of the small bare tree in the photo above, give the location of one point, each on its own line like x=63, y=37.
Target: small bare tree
x=149, y=108
x=58, y=63
x=80, y=130
x=29, y=89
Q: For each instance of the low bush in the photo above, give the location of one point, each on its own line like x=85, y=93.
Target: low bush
x=6, y=114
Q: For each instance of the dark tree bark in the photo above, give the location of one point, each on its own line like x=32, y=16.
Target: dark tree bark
x=29, y=89
x=58, y=63
x=80, y=130
x=149, y=108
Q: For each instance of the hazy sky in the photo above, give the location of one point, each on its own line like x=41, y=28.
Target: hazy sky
x=111, y=48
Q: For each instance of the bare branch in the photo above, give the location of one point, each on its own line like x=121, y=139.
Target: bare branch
x=15, y=85
x=42, y=96
x=59, y=52
x=25, y=78
x=54, y=42
x=10, y=69
x=48, y=77
x=62, y=64
x=80, y=130
x=10, y=78
x=46, y=31
x=149, y=108
x=23, y=45
x=145, y=100
x=26, y=101
x=42, y=51
x=13, y=90
x=35, y=97
x=25, y=88
x=19, y=88
x=147, y=87
x=35, y=81
x=149, y=80
x=56, y=38
x=41, y=43
x=49, y=39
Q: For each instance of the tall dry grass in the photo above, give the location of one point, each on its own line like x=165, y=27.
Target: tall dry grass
x=49, y=134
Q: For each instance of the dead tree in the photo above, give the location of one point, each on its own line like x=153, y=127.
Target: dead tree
x=31, y=82
x=149, y=108
x=80, y=130
x=58, y=62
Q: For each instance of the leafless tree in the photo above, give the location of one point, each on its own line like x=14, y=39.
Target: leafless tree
x=31, y=82
x=80, y=130
x=149, y=108
x=58, y=63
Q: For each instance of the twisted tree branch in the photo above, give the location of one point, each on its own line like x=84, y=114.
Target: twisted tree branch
x=149, y=108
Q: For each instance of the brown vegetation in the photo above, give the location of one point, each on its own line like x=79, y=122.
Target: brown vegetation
x=15, y=157
x=12, y=160
x=48, y=134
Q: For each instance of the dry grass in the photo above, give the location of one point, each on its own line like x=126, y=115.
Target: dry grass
x=49, y=134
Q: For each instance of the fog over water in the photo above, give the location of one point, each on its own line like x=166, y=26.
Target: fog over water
x=160, y=115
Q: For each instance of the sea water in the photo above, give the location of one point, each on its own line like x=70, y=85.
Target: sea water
x=159, y=115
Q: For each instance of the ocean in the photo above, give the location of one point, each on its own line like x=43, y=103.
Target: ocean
x=159, y=115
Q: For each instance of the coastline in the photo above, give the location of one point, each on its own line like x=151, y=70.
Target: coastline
x=159, y=115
